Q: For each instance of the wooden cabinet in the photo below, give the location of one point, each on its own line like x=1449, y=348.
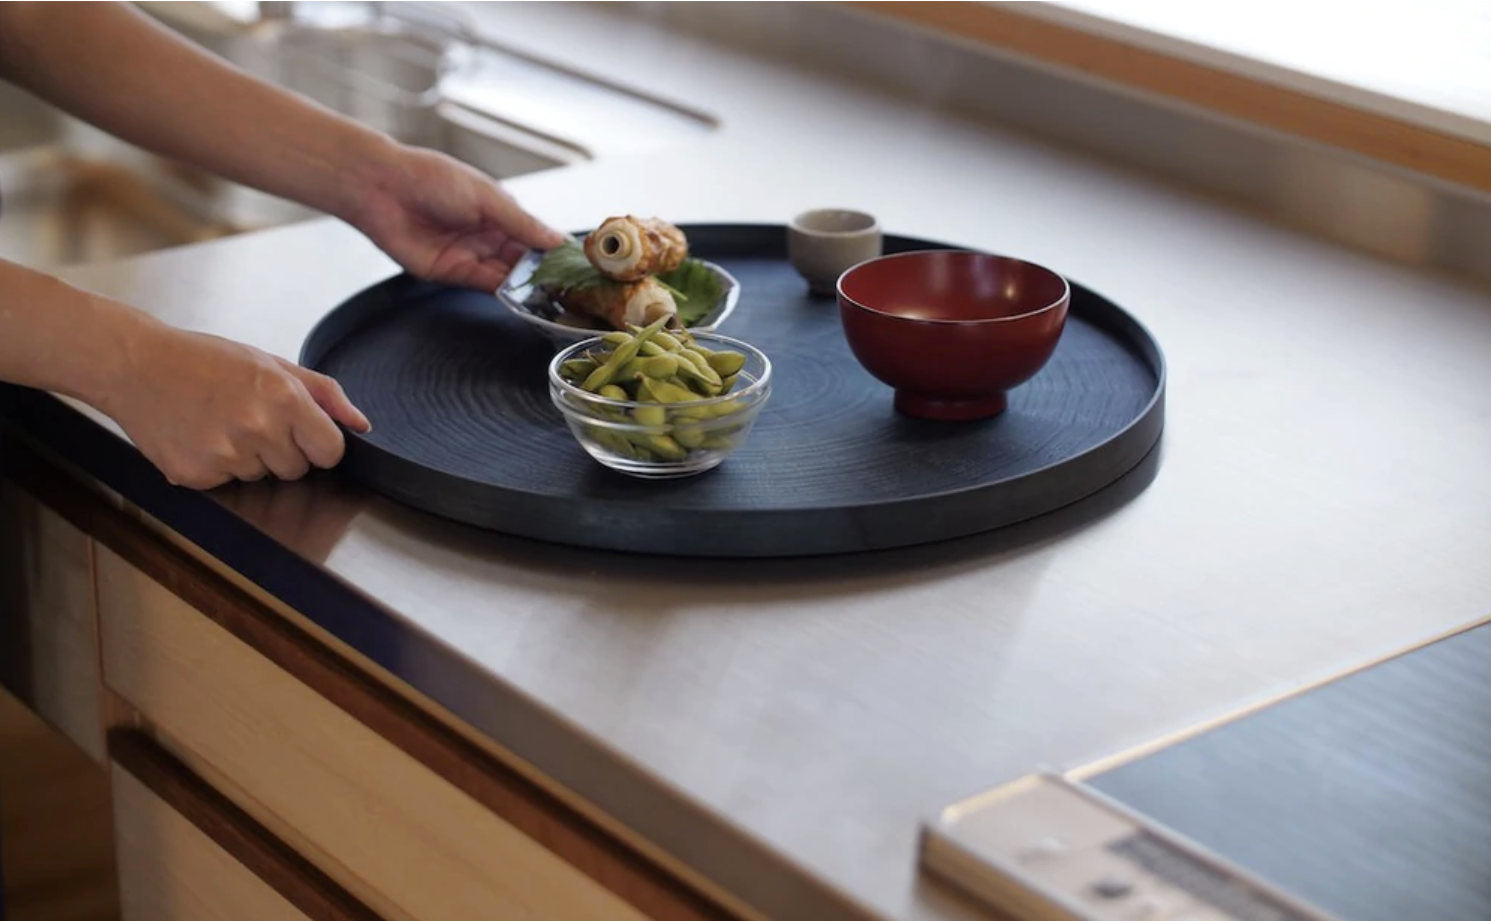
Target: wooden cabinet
x=187, y=854
x=48, y=634
x=389, y=829
x=316, y=769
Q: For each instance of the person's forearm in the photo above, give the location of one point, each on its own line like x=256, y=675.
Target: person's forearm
x=59, y=338
x=110, y=65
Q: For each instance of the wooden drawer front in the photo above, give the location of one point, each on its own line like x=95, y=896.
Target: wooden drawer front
x=394, y=833
x=170, y=871
x=48, y=637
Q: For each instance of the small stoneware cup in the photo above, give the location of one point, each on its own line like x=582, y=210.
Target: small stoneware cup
x=821, y=244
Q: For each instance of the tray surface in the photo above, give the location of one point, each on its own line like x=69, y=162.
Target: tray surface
x=463, y=427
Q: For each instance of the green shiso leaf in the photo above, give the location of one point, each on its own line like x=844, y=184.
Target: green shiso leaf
x=696, y=290
x=565, y=268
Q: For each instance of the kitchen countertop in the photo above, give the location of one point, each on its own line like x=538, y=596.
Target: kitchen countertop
x=782, y=726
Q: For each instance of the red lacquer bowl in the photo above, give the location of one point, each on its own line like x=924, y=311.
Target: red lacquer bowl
x=951, y=331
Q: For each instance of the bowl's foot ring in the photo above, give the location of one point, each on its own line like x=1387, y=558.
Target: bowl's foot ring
x=946, y=409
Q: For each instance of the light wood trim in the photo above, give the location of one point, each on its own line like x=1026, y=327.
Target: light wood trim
x=1381, y=137
x=565, y=830
x=664, y=860
x=402, y=839
x=48, y=623
x=312, y=894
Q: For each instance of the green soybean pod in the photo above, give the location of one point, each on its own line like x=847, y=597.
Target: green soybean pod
x=624, y=353
x=653, y=328
x=667, y=340
x=613, y=392
x=616, y=339
x=704, y=385
x=683, y=413
x=728, y=384
x=660, y=367
x=716, y=410
x=725, y=364
x=671, y=391
x=577, y=369
x=650, y=414
x=689, y=436
x=629, y=371
x=664, y=447
x=611, y=441
x=701, y=364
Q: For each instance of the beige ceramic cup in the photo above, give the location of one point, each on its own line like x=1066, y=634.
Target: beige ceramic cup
x=821, y=244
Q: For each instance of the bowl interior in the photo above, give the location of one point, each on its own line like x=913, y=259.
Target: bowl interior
x=952, y=286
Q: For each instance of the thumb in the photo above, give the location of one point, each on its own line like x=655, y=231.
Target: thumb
x=329, y=395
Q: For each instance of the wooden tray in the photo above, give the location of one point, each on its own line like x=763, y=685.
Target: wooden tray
x=462, y=425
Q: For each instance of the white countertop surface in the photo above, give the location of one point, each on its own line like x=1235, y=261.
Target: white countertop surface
x=1321, y=495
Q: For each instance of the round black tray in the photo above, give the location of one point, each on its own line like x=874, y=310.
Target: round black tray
x=462, y=424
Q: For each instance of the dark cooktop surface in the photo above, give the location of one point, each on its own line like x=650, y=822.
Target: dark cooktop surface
x=1369, y=796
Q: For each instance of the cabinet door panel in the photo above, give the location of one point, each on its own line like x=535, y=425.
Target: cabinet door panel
x=187, y=852
x=170, y=871
x=48, y=633
x=401, y=838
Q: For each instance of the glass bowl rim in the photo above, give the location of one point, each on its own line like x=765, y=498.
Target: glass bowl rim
x=757, y=387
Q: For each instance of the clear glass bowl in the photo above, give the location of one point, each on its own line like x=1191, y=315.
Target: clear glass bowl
x=658, y=440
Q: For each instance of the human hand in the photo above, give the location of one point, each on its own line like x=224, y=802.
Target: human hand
x=206, y=410
x=443, y=220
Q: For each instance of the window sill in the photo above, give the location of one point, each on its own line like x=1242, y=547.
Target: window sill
x=1412, y=134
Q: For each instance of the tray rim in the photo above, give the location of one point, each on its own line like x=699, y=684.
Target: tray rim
x=1146, y=425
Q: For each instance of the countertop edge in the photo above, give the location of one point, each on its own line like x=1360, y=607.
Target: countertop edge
x=726, y=856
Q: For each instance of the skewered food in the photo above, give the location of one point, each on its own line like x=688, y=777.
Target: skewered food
x=637, y=303
x=629, y=272
x=630, y=248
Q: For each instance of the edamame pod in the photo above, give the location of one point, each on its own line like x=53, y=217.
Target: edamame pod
x=725, y=364
x=716, y=410
x=667, y=391
x=660, y=367
x=613, y=392
x=668, y=341
x=696, y=371
x=577, y=369
x=611, y=441
x=630, y=371
x=665, y=447
x=700, y=361
x=651, y=414
x=623, y=353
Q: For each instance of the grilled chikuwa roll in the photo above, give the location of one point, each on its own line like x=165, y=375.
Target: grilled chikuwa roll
x=629, y=248
x=637, y=303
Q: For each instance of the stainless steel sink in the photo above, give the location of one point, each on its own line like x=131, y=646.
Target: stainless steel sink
x=414, y=70
x=59, y=204
x=60, y=209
